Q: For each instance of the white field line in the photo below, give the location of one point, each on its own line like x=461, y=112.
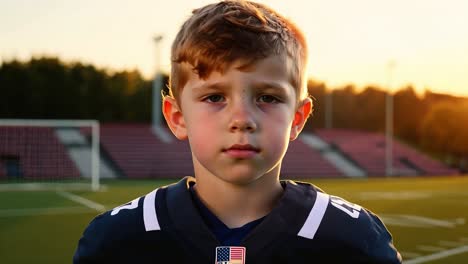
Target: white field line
x=409, y=254
x=450, y=243
x=83, y=201
x=438, y=255
x=419, y=221
x=13, y=187
x=409, y=195
x=412, y=195
x=431, y=248
x=430, y=221
x=44, y=211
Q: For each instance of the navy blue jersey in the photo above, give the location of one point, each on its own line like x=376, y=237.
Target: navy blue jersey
x=306, y=226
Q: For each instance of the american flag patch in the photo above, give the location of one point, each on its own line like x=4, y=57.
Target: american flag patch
x=230, y=255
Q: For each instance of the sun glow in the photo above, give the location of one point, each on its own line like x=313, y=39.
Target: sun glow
x=351, y=42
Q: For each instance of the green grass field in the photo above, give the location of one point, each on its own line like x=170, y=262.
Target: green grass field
x=426, y=216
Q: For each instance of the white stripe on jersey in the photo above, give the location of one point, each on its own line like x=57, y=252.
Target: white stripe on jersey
x=314, y=219
x=149, y=212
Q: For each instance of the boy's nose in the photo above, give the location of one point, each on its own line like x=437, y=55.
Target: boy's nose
x=242, y=120
x=244, y=125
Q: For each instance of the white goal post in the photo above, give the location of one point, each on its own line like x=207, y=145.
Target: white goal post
x=43, y=136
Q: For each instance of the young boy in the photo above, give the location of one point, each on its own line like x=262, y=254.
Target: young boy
x=238, y=95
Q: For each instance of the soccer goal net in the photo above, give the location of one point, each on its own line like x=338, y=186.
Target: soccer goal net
x=49, y=154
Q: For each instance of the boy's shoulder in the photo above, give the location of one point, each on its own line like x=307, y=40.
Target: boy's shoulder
x=141, y=215
x=327, y=213
x=126, y=219
x=333, y=222
x=114, y=234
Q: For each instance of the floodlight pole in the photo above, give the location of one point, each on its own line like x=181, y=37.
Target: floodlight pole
x=328, y=108
x=157, y=85
x=389, y=122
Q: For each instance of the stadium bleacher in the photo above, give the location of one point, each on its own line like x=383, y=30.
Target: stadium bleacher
x=426, y=165
x=301, y=161
x=34, y=153
x=367, y=150
x=137, y=152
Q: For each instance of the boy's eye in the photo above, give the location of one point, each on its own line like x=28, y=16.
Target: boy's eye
x=214, y=98
x=269, y=99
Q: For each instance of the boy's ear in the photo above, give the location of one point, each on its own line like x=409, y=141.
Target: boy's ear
x=174, y=118
x=300, y=117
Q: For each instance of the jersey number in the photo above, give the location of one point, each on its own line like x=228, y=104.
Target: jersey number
x=345, y=206
x=131, y=205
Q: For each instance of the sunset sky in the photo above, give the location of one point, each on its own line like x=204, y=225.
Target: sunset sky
x=349, y=41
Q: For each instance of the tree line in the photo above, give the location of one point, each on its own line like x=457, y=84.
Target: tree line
x=48, y=88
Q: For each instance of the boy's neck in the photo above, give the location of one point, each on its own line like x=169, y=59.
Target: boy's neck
x=237, y=205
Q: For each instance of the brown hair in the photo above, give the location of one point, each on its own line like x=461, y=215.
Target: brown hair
x=217, y=35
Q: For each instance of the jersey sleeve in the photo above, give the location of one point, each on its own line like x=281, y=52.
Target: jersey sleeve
x=361, y=229
x=380, y=242
x=109, y=233
x=91, y=245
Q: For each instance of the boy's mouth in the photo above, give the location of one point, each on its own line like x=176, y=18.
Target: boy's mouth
x=241, y=151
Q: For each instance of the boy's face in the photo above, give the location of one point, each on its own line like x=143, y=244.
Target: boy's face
x=239, y=123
